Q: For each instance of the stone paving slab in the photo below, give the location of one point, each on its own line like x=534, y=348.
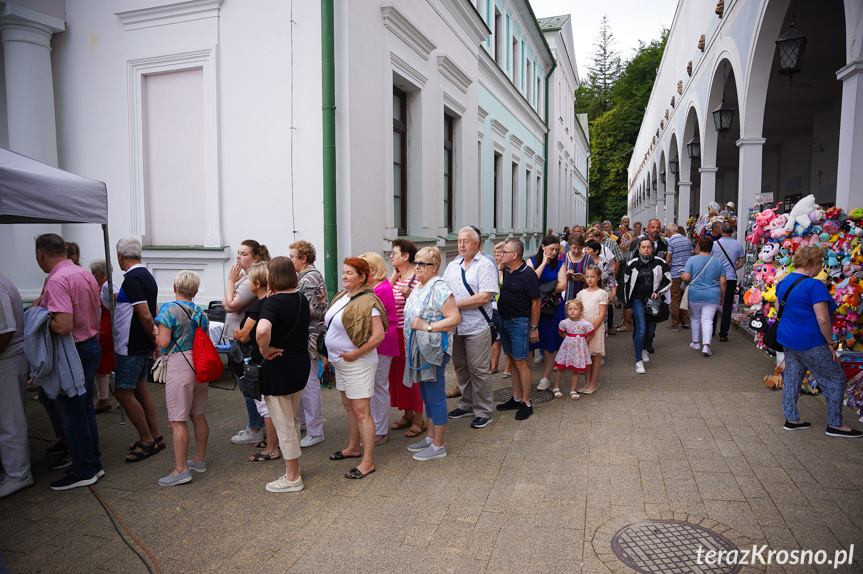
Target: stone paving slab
x=695, y=439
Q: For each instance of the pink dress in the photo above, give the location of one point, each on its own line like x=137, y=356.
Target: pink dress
x=573, y=353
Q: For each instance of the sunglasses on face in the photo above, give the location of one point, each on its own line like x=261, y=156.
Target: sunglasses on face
x=421, y=264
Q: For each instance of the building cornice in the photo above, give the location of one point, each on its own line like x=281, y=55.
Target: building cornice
x=402, y=26
x=162, y=12
x=516, y=141
x=498, y=128
x=469, y=19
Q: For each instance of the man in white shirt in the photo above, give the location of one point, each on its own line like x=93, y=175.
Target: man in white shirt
x=473, y=282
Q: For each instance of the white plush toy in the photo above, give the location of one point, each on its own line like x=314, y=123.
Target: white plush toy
x=800, y=213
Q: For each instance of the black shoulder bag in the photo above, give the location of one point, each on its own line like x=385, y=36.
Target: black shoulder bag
x=250, y=382
x=481, y=307
x=322, y=338
x=770, y=337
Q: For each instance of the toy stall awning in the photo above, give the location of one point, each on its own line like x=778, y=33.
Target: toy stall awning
x=34, y=192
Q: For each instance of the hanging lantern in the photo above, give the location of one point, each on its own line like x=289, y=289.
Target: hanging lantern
x=673, y=165
x=662, y=177
x=693, y=148
x=653, y=185
x=790, y=46
x=723, y=115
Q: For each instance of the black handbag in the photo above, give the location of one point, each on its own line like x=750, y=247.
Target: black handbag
x=548, y=299
x=770, y=338
x=656, y=310
x=488, y=320
x=321, y=344
x=237, y=355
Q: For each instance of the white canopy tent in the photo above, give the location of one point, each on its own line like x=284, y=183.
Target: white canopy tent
x=34, y=192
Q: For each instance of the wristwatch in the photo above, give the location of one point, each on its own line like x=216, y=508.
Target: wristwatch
x=533, y=327
x=428, y=327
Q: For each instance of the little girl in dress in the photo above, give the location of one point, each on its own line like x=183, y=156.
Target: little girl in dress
x=595, y=301
x=573, y=354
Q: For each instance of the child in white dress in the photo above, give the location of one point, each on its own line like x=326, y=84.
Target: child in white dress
x=595, y=301
x=574, y=354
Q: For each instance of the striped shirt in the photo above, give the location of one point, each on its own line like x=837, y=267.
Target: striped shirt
x=680, y=250
x=400, y=299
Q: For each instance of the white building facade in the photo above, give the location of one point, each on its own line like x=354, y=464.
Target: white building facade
x=786, y=139
x=204, y=118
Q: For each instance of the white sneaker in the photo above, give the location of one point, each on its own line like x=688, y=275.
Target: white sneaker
x=310, y=440
x=282, y=484
x=645, y=356
x=543, y=385
x=539, y=359
x=246, y=436
x=639, y=367
x=705, y=350
x=9, y=486
x=695, y=346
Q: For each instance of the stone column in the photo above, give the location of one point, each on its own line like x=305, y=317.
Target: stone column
x=660, y=202
x=653, y=211
x=850, y=166
x=670, y=183
x=749, y=182
x=683, y=202
x=708, y=187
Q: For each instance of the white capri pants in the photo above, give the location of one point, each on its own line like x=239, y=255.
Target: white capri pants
x=702, y=314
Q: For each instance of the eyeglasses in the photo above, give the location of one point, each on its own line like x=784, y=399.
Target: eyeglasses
x=508, y=252
x=421, y=264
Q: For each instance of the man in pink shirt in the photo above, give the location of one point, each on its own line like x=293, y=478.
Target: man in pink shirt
x=72, y=295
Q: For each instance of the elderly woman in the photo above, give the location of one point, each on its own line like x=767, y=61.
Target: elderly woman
x=389, y=348
x=283, y=340
x=238, y=296
x=106, y=338
x=496, y=346
x=548, y=264
x=646, y=277
x=430, y=316
x=705, y=276
x=805, y=330
x=247, y=333
x=184, y=396
x=356, y=325
x=403, y=398
x=314, y=289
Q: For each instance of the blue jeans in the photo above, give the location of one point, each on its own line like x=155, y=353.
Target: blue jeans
x=644, y=329
x=53, y=414
x=129, y=369
x=256, y=421
x=79, y=415
x=433, y=394
x=515, y=337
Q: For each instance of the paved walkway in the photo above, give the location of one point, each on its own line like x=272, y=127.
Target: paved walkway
x=695, y=439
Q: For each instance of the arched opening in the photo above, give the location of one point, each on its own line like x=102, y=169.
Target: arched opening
x=662, y=195
x=720, y=149
x=690, y=162
x=673, y=175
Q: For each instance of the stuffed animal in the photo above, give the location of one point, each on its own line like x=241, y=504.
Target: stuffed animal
x=775, y=380
x=768, y=252
x=800, y=213
x=776, y=228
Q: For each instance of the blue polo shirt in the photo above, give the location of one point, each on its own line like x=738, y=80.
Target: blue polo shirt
x=799, y=328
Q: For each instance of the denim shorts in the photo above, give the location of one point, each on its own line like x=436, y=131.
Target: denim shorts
x=129, y=369
x=515, y=337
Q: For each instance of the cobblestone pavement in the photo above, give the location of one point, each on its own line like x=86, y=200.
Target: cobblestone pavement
x=695, y=439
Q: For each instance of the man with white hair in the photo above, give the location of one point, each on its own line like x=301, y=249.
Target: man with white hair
x=473, y=282
x=679, y=251
x=134, y=342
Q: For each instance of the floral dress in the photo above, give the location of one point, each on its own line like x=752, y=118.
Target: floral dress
x=574, y=354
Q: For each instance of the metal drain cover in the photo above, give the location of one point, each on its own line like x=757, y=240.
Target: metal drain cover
x=670, y=547
x=536, y=397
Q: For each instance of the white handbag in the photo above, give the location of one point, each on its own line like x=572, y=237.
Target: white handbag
x=160, y=369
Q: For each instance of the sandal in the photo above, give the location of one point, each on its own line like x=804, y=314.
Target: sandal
x=455, y=392
x=356, y=473
x=160, y=444
x=401, y=424
x=265, y=456
x=146, y=452
x=339, y=455
x=622, y=328
x=262, y=444
x=416, y=430
x=574, y=395
x=557, y=393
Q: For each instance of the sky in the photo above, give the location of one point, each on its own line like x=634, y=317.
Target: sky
x=629, y=21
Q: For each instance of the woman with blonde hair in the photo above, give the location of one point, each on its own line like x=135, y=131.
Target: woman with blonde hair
x=185, y=398
x=431, y=314
x=389, y=348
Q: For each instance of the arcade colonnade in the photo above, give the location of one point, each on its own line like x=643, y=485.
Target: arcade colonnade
x=789, y=135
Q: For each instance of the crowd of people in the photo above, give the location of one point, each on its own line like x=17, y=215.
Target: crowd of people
x=388, y=338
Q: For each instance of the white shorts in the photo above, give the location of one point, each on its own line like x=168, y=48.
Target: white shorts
x=356, y=379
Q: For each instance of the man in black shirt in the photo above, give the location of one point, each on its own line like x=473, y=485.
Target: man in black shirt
x=518, y=307
x=660, y=245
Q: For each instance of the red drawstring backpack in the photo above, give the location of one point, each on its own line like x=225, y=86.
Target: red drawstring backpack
x=208, y=364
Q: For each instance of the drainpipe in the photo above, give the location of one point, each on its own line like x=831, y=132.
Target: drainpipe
x=545, y=164
x=328, y=80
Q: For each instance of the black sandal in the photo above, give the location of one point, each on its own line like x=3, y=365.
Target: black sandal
x=146, y=452
x=356, y=473
x=160, y=444
x=339, y=455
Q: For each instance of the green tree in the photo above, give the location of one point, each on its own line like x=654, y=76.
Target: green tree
x=613, y=132
x=594, y=96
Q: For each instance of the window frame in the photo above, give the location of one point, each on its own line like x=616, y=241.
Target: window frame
x=400, y=127
x=449, y=177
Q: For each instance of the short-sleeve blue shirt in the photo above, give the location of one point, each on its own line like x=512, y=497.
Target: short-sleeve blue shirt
x=706, y=288
x=799, y=328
